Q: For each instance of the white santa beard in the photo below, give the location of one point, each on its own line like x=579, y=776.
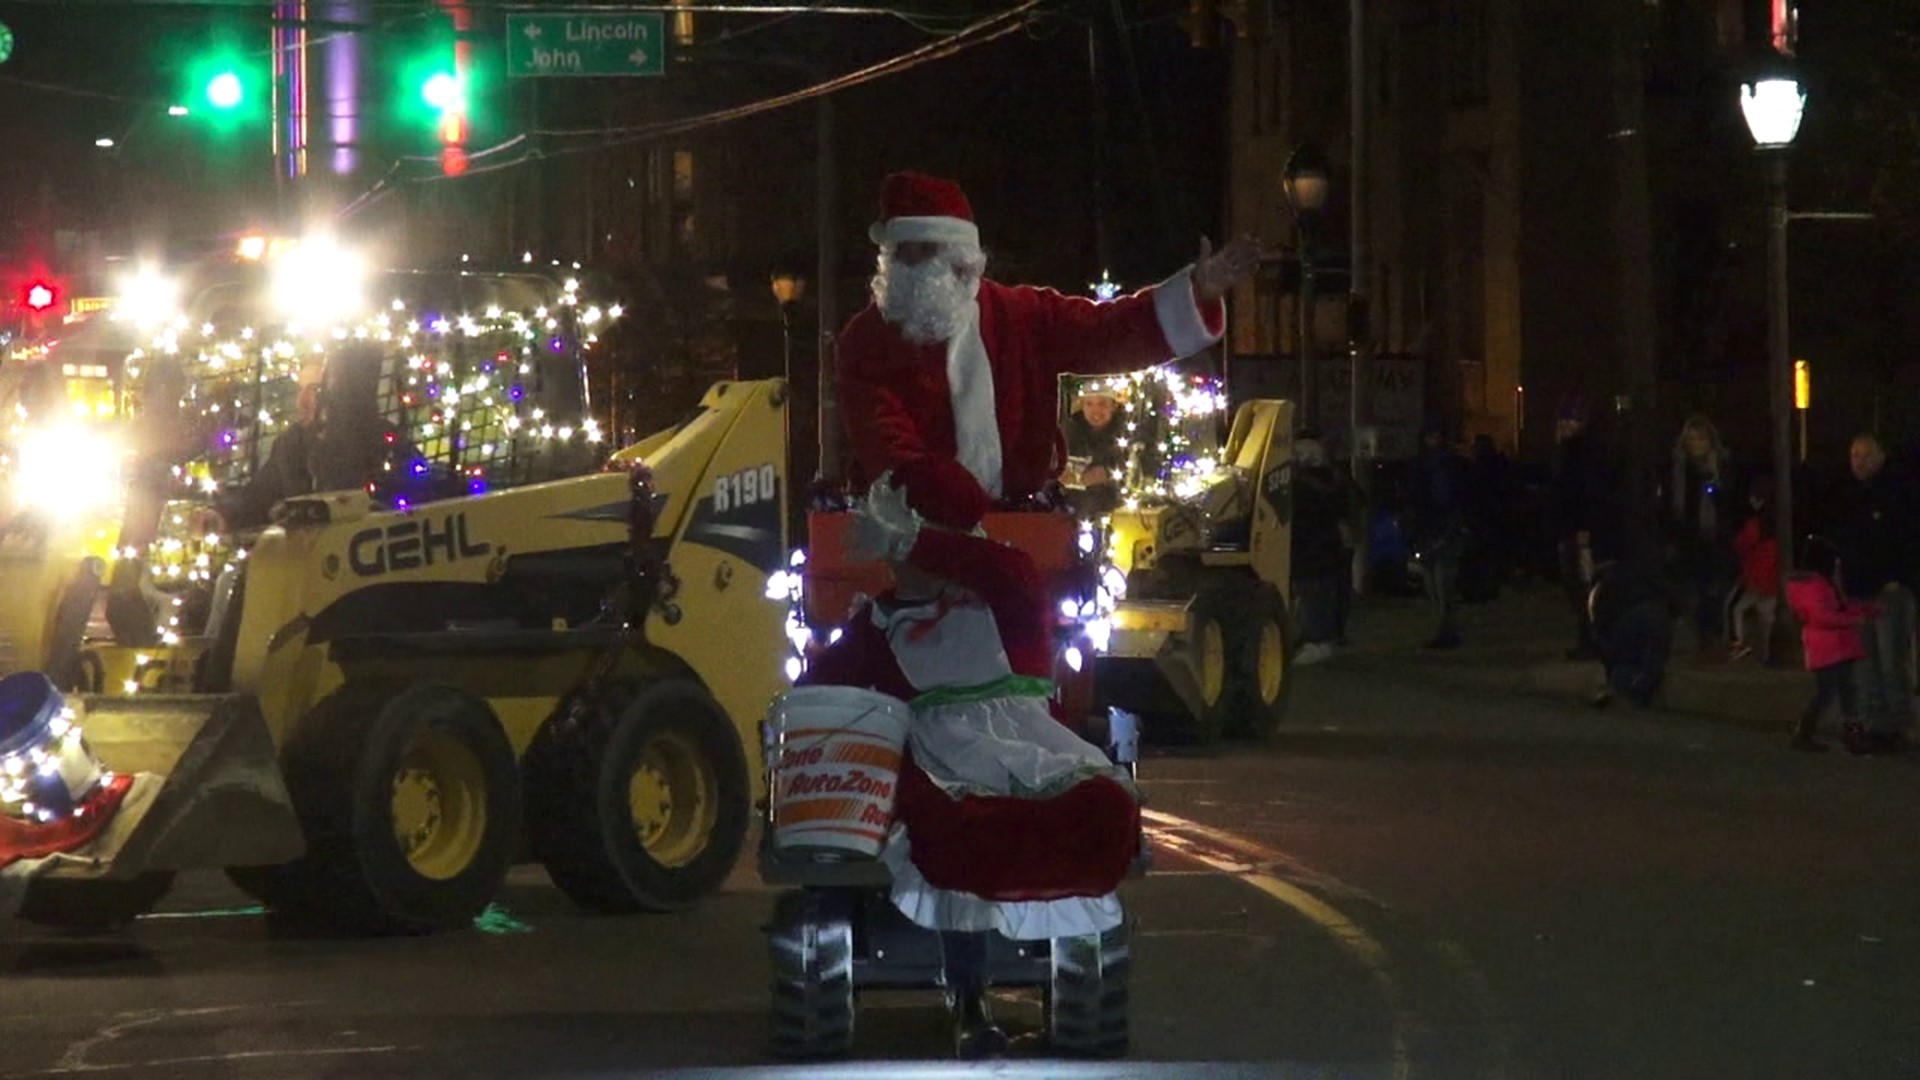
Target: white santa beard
x=929, y=301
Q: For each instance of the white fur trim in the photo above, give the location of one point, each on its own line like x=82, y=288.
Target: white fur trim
x=1016, y=920
x=976, y=422
x=939, y=230
x=1179, y=314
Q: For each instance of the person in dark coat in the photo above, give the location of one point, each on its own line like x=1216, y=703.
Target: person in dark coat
x=1582, y=510
x=1872, y=522
x=1703, y=510
x=338, y=442
x=1437, y=529
x=1491, y=525
x=1632, y=618
x=1096, y=450
x=1322, y=559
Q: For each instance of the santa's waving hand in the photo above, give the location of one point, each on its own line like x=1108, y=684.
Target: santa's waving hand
x=948, y=363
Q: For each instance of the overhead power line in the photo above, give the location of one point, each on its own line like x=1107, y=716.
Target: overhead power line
x=991, y=28
x=988, y=29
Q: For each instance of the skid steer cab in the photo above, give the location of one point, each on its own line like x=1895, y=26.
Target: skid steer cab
x=395, y=704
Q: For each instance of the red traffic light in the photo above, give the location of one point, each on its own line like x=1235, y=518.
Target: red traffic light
x=40, y=296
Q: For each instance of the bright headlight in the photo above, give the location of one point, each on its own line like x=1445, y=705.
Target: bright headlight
x=149, y=298
x=66, y=471
x=318, y=282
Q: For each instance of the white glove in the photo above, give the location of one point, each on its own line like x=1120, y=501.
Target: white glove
x=884, y=526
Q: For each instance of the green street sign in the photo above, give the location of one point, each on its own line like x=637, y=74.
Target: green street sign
x=585, y=43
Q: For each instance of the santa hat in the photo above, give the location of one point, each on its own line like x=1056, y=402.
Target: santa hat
x=915, y=206
x=943, y=492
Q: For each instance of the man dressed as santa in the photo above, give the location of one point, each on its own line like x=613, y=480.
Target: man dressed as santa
x=949, y=363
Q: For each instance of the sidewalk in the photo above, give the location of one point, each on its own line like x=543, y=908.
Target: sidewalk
x=1518, y=644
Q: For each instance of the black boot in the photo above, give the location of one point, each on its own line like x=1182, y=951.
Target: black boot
x=975, y=1035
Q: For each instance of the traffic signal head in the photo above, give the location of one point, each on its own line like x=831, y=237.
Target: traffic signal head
x=224, y=88
x=40, y=296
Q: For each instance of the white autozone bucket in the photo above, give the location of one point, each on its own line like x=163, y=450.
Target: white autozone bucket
x=833, y=767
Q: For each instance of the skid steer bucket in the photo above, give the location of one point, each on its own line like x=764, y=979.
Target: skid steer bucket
x=1147, y=667
x=209, y=794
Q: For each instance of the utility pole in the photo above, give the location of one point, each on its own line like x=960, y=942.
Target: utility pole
x=1633, y=272
x=1360, y=286
x=826, y=183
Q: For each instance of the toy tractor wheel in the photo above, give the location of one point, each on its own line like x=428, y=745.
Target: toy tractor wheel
x=411, y=805
x=1087, y=996
x=1266, y=667
x=640, y=801
x=1214, y=636
x=93, y=905
x=810, y=944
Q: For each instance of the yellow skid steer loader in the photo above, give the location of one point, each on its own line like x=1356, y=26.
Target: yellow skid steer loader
x=393, y=704
x=1205, y=630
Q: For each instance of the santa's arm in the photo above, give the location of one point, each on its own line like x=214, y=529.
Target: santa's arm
x=1153, y=326
x=879, y=428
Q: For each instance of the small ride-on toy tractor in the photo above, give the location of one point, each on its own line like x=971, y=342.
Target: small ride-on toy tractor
x=835, y=931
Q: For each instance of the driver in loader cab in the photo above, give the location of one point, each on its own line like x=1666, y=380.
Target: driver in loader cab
x=339, y=442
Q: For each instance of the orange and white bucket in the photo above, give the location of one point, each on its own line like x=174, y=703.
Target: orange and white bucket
x=833, y=767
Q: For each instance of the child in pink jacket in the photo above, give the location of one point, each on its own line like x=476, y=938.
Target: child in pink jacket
x=1829, y=636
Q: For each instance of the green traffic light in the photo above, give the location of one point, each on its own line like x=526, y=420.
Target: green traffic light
x=442, y=91
x=224, y=91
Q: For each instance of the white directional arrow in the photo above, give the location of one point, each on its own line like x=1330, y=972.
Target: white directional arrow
x=532, y=31
x=638, y=57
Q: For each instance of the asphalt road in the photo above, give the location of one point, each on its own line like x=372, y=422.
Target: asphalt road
x=1410, y=882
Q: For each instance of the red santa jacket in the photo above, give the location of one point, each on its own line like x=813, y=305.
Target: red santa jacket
x=1079, y=843
x=897, y=404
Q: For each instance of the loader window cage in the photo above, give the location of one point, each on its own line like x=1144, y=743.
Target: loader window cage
x=477, y=405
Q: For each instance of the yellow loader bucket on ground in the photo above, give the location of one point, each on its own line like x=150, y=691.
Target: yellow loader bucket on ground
x=210, y=793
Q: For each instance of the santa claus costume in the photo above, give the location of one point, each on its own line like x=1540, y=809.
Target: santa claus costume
x=948, y=363
x=1005, y=820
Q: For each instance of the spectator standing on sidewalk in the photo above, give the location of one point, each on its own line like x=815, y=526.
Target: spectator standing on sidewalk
x=1702, y=513
x=1758, y=593
x=1581, y=510
x=1438, y=532
x=1830, y=638
x=1872, y=523
x=1322, y=558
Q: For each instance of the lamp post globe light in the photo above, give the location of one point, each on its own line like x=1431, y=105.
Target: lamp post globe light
x=1773, y=103
x=788, y=288
x=1306, y=184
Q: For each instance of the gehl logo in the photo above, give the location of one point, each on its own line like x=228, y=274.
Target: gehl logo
x=411, y=545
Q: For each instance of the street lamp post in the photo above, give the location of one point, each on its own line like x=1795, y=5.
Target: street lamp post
x=1305, y=182
x=788, y=288
x=1773, y=105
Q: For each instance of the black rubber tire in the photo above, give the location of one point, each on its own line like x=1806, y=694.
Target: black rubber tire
x=810, y=950
x=340, y=769
x=1087, y=995
x=92, y=905
x=1218, y=606
x=580, y=820
x=1260, y=714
